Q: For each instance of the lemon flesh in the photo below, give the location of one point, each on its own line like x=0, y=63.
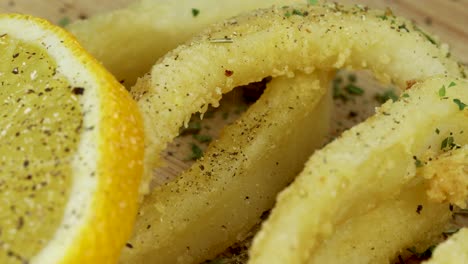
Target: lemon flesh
x=38, y=142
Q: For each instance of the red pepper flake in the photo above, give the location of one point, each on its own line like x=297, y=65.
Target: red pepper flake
x=419, y=209
x=410, y=84
x=228, y=73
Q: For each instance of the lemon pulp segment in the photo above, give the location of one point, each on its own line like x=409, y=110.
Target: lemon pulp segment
x=38, y=142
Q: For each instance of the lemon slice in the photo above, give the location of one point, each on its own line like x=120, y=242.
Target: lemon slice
x=71, y=150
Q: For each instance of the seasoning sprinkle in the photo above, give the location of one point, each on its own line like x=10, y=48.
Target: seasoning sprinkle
x=419, y=209
x=417, y=162
x=203, y=138
x=387, y=95
x=383, y=17
x=460, y=104
x=352, y=78
x=78, y=90
x=422, y=255
x=426, y=35
x=447, y=143
x=442, y=91
x=64, y=22
x=403, y=26
x=228, y=73
x=222, y=40
x=353, y=89
x=299, y=13
x=195, y=12
x=197, y=152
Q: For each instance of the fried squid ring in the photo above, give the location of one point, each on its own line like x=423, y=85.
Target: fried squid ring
x=451, y=251
x=388, y=230
x=449, y=182
x=222, y=196
x=129, y=41
x=275, y=42
x=370, y=163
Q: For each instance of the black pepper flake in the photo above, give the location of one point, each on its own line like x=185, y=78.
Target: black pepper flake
x=419, y=209
x=15, y=55
x=352, y=114
x=15, y=70
x=265, y=215
x=128, y=245
x=78, y=90
x=20, y=223
x=228, y=73
x=26, y=163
